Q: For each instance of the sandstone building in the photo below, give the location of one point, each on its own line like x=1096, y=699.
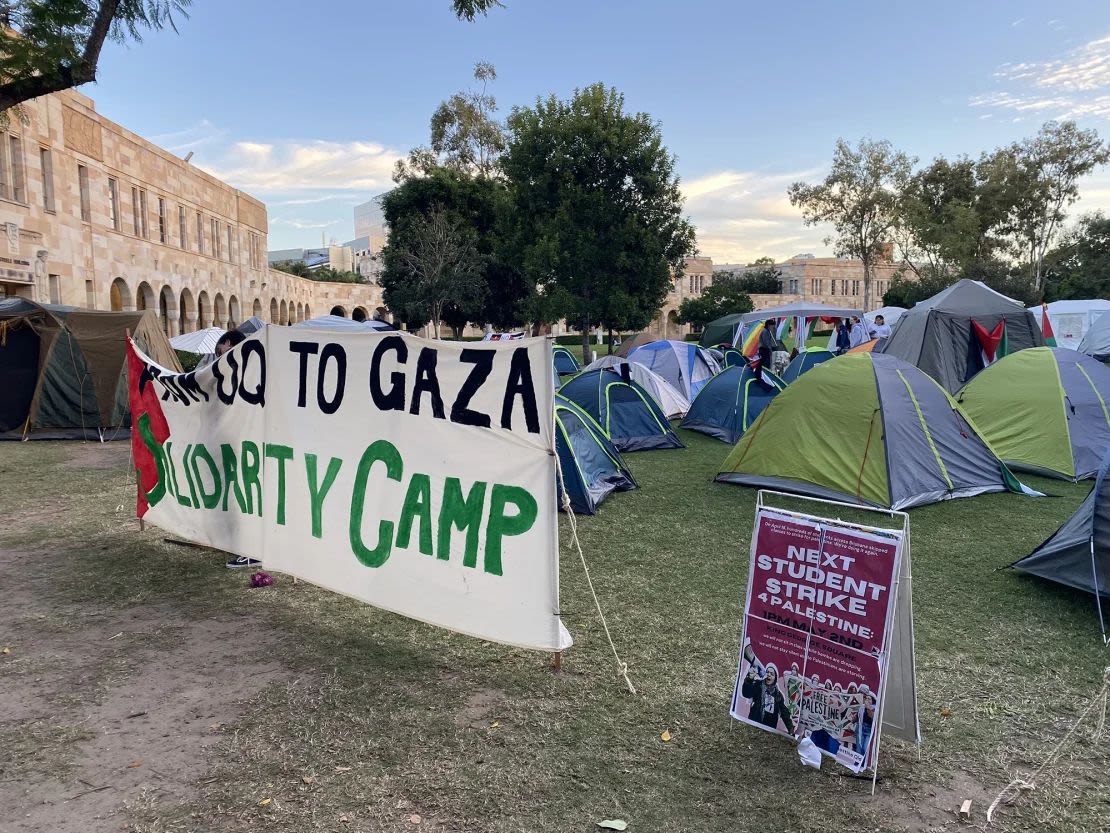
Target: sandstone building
x=92, y=215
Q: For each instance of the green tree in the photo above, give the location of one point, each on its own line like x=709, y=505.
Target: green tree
x=479, y=203
x=466, y=135
x=1080, y=266
x=760, y=278
x=52, y=45
x=720, y=298
x=596, y=211
x=292, y=267
x=859, y=198
x=435, y=270
x=1051, y=164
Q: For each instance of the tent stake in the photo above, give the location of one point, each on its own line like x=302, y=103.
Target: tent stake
x=558, y=657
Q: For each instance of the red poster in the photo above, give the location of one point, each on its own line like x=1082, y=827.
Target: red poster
x=815, y=633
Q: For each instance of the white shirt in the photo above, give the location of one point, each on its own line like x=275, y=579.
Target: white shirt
x=882, y=330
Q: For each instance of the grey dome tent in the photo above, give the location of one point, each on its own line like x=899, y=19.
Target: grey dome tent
x=937, y=335
x=1078, y=553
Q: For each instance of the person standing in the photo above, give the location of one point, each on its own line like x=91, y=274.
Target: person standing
x=768, y=706
x=882, y=329
x=766, y=346
x=858, y=334
x=843, y=337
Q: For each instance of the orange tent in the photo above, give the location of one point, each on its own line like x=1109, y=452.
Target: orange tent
x=866, y=347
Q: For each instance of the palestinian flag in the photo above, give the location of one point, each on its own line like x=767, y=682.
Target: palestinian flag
x=1046, y=327
x=783, y=329
x=993, y=345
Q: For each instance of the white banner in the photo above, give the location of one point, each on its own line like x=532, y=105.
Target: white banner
x=417, y=476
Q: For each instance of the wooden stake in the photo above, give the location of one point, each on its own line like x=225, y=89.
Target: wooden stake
x=558, y=661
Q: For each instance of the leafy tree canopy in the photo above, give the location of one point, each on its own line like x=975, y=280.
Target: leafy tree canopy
x=596, y=211
x=1079, y=268
x=720, y=298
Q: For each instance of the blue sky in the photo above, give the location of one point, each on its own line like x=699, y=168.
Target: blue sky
x=309, y=111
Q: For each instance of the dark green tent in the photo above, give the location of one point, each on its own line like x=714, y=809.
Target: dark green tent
x=721, y=331
x=63, y=370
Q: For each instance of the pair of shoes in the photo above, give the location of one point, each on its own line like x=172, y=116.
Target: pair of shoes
x=240, y=562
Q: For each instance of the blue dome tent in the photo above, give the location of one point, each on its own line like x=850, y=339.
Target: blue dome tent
x=685, y=365
x=565, y=363
x=628, y=414
x=804, y=361
x=729, y=404
x=591, y=466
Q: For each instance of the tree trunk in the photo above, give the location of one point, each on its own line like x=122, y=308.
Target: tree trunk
x=610, y=341
x=866, y=282
x=585, y=342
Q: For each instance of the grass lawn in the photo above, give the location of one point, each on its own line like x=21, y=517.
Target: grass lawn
x=377, y=719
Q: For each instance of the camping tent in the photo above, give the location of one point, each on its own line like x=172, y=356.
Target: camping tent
x=1078, y=553
x=684, y=364
x=673, y=403
x=251, y=325
x=591, y=466
x=730, y=403
x=867, y=429
x=721, y=331
x=1070, y=320
x=938, y=335
x=338, y=322
x=868, y=346
x=202, y=342
x=629, y=415
x=731, y=357
x=804, y=361
x=632, y=342
x=890, y=315
x=565, y=363
x=1046, y=409
x=1097, y=340
x=63, y=369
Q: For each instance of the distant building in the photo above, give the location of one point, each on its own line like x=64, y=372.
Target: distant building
x=697, y=276
x=826, y=280
x=339, y=258
x=370, y=223
x=367, y=262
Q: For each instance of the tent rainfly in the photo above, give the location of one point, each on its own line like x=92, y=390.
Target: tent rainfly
x=565, y=363
x=628, y=414
x=1045, y=410
x=63, y=371
x=1071, y=319
x=632, y=342
x=591, y=466
x=1078, y=553
x=939, y=334
x=899, y=440
x=202, y=342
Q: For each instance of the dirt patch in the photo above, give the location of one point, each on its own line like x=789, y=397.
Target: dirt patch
x=937, y=809
x=97, y=455
x=110, y=708
x=479, y=708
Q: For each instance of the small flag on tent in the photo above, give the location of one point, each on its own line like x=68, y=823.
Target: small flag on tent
x=993, y=345
x=750, y=347
x=811, y=325
x=1046, y=327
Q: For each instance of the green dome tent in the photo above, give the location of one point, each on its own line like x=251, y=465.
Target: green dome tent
x=63, y=369
x=1045, y=409
x=867, y=429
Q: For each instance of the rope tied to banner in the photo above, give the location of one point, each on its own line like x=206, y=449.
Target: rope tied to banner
x=622, y=666
x=1014, y=789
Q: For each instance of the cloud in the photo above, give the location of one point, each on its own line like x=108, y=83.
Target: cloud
x=1074, y=87
x=742, y=215
x=315, y=165
x=303, y=224
x=201, y=134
